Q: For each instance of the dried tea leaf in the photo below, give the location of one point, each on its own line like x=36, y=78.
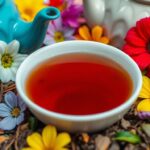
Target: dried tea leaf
x=4, y=138
x=127, y=136
x=125, y=124
x=102, y=142
x=85, y=137
x=32, y=123
x=146, y=128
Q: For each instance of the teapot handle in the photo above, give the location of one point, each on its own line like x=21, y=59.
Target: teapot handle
x=94, y=11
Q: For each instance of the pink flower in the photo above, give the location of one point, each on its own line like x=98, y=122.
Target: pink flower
x=57, y=32
x=72, y=14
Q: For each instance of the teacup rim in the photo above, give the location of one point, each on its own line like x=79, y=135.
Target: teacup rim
x=79, y=118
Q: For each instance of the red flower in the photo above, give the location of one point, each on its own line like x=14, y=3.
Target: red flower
x=138, y=43
x=55, y=3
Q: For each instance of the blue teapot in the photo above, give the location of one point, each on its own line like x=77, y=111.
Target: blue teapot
x=29, y=34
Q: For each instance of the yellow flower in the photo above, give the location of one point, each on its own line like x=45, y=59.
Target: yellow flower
x=144, y=105
x=49, y=140
x=96, y=34
x=145, y=91
x=29, y=8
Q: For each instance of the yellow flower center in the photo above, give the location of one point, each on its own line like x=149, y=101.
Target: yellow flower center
x=7, y=60
x=15, y=112
x=59, y=37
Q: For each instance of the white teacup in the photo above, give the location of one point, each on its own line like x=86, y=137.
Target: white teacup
x=75, y=123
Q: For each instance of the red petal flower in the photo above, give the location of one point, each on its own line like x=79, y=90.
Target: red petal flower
x=134, y=39
x=133, y=50
x=143, y=28
x=55, y=3
x=143, y=60
x=137, y=40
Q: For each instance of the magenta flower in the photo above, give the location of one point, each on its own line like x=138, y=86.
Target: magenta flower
x=12, y=111
x=72, y=14
x=57, y=32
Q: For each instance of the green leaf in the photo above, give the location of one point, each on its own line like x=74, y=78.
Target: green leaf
x=127, y=136
x=33, y=123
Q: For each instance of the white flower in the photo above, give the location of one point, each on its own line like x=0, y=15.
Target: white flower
x=10, y=60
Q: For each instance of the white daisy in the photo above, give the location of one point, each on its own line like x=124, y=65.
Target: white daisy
x=10, y=60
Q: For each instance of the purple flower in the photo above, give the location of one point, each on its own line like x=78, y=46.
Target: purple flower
x=12, y=111
x=71, y=15
x=57, y=32
x=144, y=115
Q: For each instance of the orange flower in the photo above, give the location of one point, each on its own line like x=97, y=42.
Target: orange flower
x=96, y=34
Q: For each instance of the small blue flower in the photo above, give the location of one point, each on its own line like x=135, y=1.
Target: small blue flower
x=12, y=111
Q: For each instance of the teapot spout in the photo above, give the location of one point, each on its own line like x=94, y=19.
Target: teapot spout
x=31, y=35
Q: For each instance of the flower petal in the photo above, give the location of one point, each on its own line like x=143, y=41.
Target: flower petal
x=78, y=37
x=132, y=50
x=144, y=106
x=134, y=39
x=13, y=47
x=58, y=23
x=49, y=136
x=72, y=23
x=144, y=115
x=68, y=32
x=3, y=46
x=104, y=40
x=143, y=60
x=4, y=110
x=145, y=91
x=85, y=33
x=35, y=141
x=49, y=40
x=60, y=148
x=20, y=119
x=8, y=123
x=51, y=29
x=97, y=32
x=5, y=75
x=142, y=26
x=21, y=104
x=19, y=58
x=62, y=140
x=10, y=99
x=28, y=148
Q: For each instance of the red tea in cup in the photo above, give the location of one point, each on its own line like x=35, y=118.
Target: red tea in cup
x=79, y=84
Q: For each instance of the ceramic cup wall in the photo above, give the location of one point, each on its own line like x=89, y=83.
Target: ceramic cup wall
x=74, y=123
